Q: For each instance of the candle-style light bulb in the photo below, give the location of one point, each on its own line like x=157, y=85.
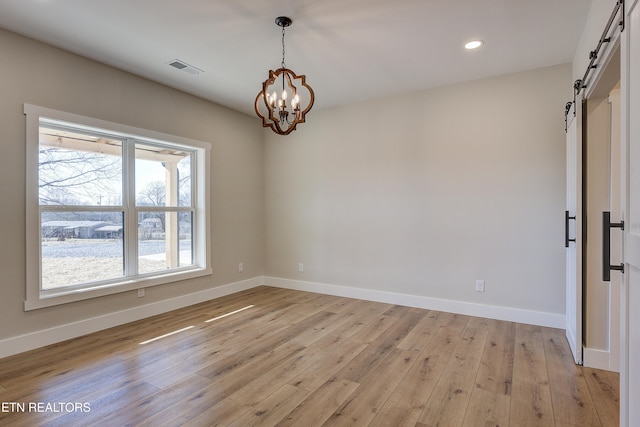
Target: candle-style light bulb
x=284, y=94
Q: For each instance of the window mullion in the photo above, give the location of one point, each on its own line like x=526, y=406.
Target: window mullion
x=130, y=213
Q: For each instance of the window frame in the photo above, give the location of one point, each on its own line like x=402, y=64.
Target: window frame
x=36, y=297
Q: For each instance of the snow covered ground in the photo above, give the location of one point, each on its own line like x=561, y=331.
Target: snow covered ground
x=76, y=261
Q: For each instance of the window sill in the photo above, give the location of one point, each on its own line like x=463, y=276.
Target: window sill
x=65, y=296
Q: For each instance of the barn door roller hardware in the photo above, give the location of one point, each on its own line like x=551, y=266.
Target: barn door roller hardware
x=593, y=55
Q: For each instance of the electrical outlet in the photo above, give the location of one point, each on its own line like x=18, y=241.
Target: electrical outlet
x=301, y=267
x=241, y=267
x=140, y=292
x=479, y=285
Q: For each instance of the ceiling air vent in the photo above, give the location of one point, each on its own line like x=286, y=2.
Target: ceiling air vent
x=183, y=66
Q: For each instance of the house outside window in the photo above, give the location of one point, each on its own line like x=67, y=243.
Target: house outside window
x=110, y=208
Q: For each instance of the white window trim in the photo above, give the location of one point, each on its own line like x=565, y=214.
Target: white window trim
x=35, y=298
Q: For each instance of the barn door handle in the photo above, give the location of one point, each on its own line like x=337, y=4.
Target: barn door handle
x=607, y=225
x=566, y=229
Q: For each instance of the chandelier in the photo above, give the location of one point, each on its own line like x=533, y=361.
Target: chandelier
x=285, y=97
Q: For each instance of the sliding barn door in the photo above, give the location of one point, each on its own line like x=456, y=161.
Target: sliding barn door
x=573, y=230
x=630, y=294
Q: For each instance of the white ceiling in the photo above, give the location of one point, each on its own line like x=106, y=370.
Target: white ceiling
x=350, y=50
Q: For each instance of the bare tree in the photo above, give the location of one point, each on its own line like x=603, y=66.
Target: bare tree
x=154, y=194
x=77, y=177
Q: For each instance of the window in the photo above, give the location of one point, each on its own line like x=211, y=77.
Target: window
x=110, y=208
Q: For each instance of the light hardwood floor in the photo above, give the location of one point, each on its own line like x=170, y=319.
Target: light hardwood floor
x=280, y=357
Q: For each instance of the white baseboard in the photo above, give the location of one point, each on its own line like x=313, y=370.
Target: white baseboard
x=598, y=359
x=539, y=318
x=19, y=344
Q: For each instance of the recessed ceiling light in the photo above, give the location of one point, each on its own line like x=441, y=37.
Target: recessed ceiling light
x=474, y=44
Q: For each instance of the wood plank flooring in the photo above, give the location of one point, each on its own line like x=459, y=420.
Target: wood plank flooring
x=271, y=356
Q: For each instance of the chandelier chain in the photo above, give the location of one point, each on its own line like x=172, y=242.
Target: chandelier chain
x=283, y=65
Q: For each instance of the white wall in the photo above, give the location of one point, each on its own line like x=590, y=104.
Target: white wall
x=422, y=194
x=35, y=73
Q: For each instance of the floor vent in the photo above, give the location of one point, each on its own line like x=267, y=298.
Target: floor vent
x=183, y=66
